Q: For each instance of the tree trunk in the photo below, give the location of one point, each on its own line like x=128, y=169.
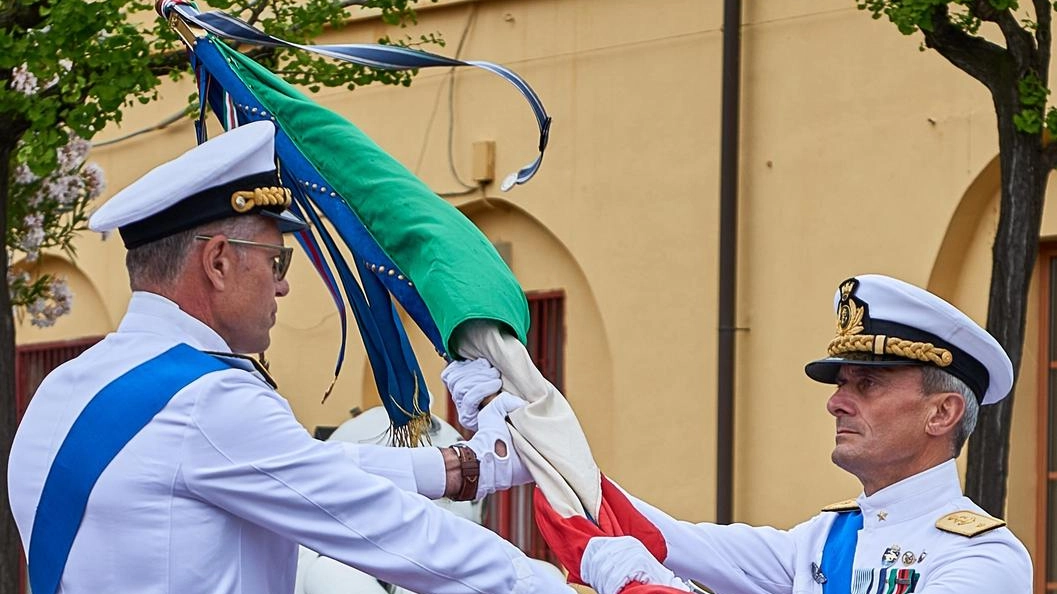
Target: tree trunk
x=1024, y=176
x=10, y=544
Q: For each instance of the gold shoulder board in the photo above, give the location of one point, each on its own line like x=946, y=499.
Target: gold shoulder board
x=842, y=506
x=968, y=523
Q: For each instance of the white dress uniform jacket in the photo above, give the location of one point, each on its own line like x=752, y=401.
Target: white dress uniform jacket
x=213, y=495
x=899, y=539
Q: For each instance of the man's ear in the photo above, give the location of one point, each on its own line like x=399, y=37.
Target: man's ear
x=947, y=411
x=218, y=261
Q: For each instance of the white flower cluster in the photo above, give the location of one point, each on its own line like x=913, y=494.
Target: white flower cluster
x=94, y=180
x=73, y=153
x=32, y=236
x=24, y=81
x=53, y=304
x=24, y=175
x=72, y=180
x=18, y=275
x=52, y=297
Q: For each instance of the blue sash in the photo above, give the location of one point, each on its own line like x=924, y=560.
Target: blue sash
x=112, y=417
x=838, y=554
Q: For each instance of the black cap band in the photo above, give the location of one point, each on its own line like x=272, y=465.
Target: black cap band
x=963, y=365
x=208, y=205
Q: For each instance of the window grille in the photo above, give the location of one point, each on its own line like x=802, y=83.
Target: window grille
x=34, y=361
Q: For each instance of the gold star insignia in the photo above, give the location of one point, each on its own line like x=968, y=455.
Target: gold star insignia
x=882, y=516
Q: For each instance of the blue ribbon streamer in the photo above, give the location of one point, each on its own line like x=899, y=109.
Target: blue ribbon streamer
x=310, y=244
x=381, y=57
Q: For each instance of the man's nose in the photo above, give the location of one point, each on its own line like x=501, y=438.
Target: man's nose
x=282, y=288
x=839, y=403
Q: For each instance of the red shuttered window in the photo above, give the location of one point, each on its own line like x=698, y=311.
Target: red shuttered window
x=34, y=361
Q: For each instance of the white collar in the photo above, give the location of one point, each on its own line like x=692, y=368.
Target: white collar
x=154, y=314
x=923, y=493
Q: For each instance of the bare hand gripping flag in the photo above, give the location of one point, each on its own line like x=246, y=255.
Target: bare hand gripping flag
x=409, y=244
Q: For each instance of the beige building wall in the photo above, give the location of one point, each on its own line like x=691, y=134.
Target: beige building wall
x=859, y=154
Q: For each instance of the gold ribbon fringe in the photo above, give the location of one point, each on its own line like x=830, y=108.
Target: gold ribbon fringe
x=416, y=432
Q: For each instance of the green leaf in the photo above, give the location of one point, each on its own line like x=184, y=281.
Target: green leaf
x=910, y=16
x=1031, y=90
x=1003, y=4
x=1028, y=121
x=1051, y=120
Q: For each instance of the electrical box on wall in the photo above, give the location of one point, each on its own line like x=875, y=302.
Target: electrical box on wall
x=484, y=161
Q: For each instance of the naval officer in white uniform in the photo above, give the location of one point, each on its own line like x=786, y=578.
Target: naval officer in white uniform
x=215, y=491
x=910, y=372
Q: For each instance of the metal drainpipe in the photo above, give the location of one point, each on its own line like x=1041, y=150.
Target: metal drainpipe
x=728, y=260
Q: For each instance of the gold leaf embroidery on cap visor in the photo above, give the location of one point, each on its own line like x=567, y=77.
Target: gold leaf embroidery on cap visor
x=245, y=200
x=849, y=314
x=850, y=339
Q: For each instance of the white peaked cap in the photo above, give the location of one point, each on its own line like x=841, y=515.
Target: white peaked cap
x=231, y=174
x=882, y=321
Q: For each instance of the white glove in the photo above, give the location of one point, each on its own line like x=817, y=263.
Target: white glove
x=612, y=562
x=470, y=382
x=498, y=472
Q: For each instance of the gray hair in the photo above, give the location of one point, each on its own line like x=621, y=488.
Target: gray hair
x=158, y=264
x=935, y=381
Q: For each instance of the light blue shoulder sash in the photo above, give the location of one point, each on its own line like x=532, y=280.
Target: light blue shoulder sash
x=112, y=417
x=838, y=554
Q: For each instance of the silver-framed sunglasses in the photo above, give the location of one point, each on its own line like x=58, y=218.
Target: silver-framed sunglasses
x=280, y=261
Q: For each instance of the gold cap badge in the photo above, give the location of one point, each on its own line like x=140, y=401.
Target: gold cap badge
x=851, y=339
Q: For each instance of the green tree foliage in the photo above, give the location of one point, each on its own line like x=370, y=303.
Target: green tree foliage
x=1006, y=47
x=67, y=69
